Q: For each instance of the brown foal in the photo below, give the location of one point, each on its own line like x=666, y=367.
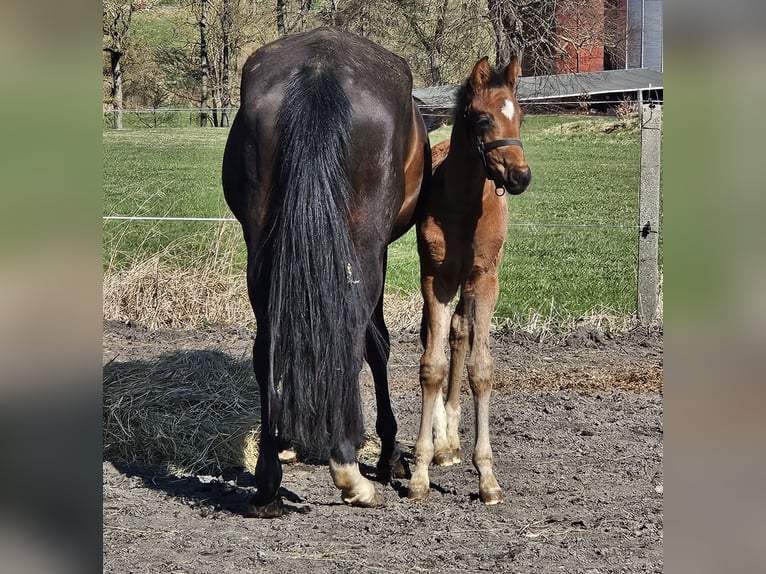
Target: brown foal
x=460, y=243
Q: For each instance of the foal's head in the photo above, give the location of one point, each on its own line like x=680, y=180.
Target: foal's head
x=493, y=120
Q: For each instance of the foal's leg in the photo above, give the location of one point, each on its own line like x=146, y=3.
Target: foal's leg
x=355, y=489
x=480, y=295
x=377, y=351
x=268, y=470
x=433, y=370
x=446, y=437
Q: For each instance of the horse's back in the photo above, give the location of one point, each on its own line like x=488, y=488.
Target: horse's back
x=365, y=63
x=378, y=85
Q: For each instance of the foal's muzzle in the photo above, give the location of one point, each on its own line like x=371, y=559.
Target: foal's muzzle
x=512, y=180
x=516, y=180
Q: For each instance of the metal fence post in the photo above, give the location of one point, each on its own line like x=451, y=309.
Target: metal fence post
x=649, y=214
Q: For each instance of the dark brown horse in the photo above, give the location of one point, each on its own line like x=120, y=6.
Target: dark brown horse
x=460, y=243
x=323, y=169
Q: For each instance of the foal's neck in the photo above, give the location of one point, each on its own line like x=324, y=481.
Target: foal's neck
x=465, y=167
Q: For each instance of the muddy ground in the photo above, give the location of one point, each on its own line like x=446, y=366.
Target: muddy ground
x=576, y=429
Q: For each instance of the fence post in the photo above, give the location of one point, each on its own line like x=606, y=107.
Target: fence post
x=649, y=213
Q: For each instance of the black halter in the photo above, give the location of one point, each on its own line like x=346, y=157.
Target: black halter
x=484, y=147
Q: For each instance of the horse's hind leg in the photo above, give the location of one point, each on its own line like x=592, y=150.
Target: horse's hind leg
x=377, y=351
x=268, y=470
x=480, y=295
x=355, y=489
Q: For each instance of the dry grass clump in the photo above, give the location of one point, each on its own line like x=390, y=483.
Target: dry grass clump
x=591, y=125
x=403, y=311
x=557, y=324
x=184, y=412
x=156, y=293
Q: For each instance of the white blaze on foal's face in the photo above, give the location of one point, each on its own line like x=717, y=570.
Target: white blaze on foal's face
x=508, y=110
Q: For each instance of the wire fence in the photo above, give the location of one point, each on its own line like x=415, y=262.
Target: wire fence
x=186, y=116
x=510, y=224
x=601, y=251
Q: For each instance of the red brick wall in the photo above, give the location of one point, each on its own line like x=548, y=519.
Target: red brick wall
x=580, y=29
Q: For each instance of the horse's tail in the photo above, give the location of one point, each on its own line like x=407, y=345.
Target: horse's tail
x=315, y=304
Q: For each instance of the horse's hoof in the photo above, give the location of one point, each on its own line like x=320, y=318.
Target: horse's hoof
x=490, y=497
x=273, y=509
x=398, y=469
x=392, y=469
x=447, y=458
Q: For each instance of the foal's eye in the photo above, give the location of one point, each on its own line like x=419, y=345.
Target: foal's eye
x=484, y=122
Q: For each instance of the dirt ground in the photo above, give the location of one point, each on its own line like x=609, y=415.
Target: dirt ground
x=576, y=430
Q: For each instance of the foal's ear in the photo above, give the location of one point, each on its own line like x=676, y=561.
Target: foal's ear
x=512, y=72
x=480, y=74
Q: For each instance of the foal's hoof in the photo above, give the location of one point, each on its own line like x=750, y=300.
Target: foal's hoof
x=363, y=499
x=288, y=456
x=273, y=509
x=491, y=496
x=447, y=458
x=418, y=495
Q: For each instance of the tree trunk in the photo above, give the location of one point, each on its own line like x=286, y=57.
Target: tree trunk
x=116, y=24
x=116, y=88
x=305, y=9
x=226, y=64
x=334, y=12
x=204, y=64
x=435, y=57
x=503, y=14
x=281, y=18
x=364, y=26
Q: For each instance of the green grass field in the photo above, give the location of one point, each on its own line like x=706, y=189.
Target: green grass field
x=566, y=255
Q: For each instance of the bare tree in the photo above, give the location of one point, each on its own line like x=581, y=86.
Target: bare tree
x=439, y=38
x=303, y=15
x=427, y=23
x=226, y=49
x=580, y=33
x=204, y=64
x=226, y=26
x=553, y=36
x=505, y=16
x=116, y=25
x=281, y=9
x=540, y=50
x=526, y=29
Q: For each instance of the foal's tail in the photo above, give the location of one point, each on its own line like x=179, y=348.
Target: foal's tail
x=315, y=304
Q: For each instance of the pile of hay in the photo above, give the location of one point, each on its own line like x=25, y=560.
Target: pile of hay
x=185, y=413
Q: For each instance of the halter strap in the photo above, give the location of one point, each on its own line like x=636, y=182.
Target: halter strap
x=485, y=147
